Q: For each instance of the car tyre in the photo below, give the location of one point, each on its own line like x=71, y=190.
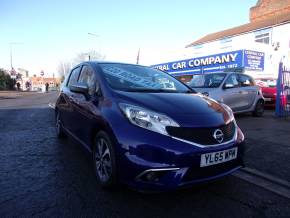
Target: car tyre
x=259, y=109
x=58, y=126
x=104, y=161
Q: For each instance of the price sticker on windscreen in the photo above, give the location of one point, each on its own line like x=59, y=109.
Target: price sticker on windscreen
x=130, y=77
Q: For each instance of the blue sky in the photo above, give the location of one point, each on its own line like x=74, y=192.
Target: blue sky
x=52, y=31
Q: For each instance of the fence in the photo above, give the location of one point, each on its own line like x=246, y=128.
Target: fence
x=283, y=92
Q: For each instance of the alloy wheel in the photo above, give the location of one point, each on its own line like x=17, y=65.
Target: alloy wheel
x=103, y=160
x=260, y=107
x=57, y=124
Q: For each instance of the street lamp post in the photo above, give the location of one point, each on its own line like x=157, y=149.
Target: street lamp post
x=97, y=36
x=88, y=54
x=10, y=45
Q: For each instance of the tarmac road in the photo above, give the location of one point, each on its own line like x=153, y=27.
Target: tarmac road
x=268, y=143
x=42, y=176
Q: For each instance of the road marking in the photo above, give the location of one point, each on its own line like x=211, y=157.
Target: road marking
x=264, y=180
x=52, y=105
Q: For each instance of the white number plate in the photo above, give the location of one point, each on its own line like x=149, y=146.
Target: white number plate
x=218, y=157
x=268, y=99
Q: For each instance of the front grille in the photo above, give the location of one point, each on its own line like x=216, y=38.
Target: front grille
x=203, y=136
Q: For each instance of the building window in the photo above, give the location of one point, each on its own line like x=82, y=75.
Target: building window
x=226, y=47
x=226, y=40
x=226, y=43
x=198, y=49
x=198, y=46
x=263, y=36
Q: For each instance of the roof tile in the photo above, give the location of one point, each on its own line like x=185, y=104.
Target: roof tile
x=266, y=23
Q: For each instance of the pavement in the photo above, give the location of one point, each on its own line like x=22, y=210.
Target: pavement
x=14, y=94
x=15, y=99
x=41, y=176
x=268, y=144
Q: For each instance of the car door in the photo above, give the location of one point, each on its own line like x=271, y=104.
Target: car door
x=230, y=92
x=66, y=106
x=248, y=92
x=86, y=107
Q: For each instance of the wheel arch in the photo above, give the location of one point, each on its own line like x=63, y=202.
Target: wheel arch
x=102, y=127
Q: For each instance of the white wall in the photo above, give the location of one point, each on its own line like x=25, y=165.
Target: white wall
x=279, y=34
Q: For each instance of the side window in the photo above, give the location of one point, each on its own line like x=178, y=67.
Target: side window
x=246, y=81
x=88, y=77
x=74, y=76
x=232, y=80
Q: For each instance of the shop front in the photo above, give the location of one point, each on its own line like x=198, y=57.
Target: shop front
x=245, y=61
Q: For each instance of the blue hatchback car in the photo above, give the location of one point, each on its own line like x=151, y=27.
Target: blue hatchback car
x=146, y=129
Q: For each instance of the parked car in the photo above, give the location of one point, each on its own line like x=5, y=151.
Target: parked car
x=269, y=90
x=143, y=134
x=237, y=90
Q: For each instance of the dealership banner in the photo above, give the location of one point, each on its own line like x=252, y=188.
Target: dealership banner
x=254, y=60
x=251, y=60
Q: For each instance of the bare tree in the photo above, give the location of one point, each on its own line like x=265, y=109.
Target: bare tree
x=63, y=68
x=90, y=55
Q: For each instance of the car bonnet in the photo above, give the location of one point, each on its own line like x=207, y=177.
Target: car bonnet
x=186, y=109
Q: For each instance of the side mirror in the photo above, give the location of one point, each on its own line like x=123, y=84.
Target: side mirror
x=79, y=88
x=228, y=86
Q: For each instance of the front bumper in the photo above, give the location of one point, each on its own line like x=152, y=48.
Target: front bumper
x=270, y=100
x=151, y=161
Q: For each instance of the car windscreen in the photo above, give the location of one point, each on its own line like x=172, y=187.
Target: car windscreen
x=207, y=80
x=135, y=78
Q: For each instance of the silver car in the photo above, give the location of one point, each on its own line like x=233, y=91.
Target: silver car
x=237, y=90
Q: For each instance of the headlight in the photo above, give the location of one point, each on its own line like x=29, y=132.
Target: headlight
x=229, y=111
x=147, y=119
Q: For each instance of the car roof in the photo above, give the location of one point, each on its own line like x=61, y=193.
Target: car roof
x=104, y=62
x=110, y=62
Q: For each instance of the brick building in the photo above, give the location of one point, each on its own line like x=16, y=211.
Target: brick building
x=38, y=82
x=266, y=9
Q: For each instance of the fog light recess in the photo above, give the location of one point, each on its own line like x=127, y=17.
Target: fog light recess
x=154, y=175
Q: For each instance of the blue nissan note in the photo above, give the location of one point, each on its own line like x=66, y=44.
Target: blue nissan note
x=146, y=129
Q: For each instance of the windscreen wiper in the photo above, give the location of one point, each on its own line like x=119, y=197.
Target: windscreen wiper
x=152, y=90
x=190, y=91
